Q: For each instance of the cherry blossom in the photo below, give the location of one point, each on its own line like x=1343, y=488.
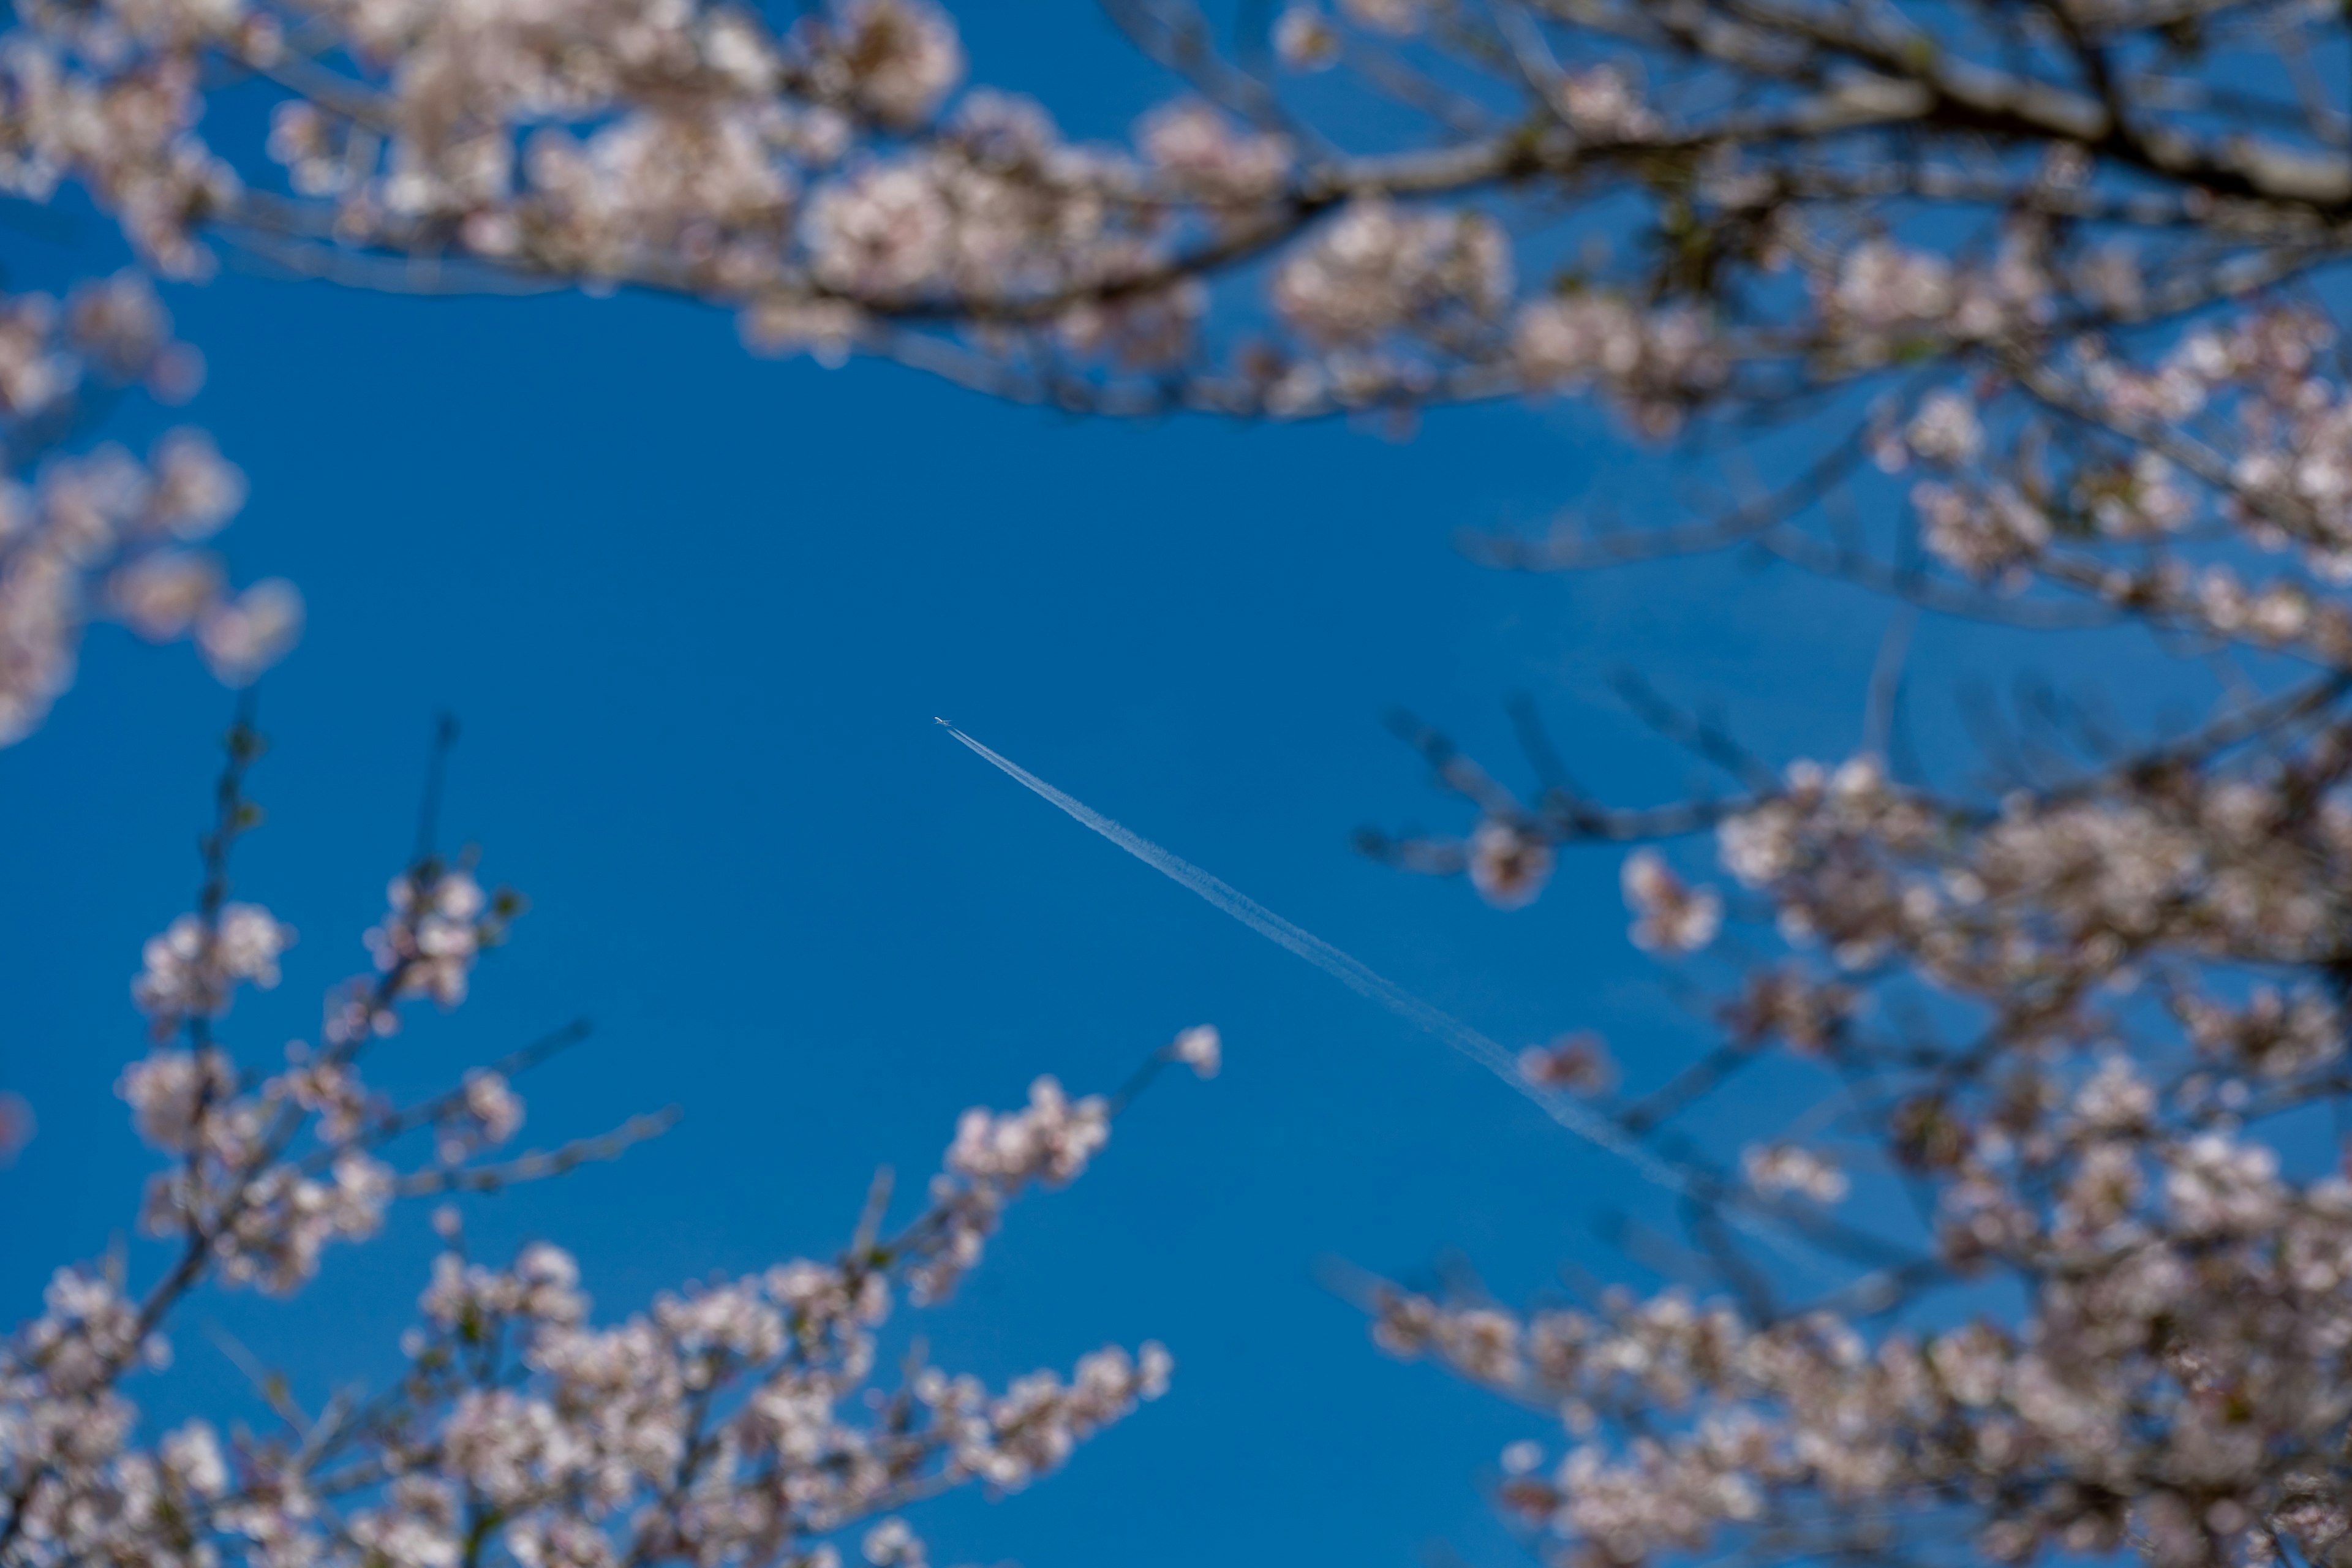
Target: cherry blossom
x=736, y=1420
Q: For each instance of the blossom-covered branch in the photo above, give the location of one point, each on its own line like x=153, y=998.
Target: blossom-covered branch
x=745, y=1422
x=2022, y=312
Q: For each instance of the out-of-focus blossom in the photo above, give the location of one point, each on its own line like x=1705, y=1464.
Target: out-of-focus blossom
x=243, y=637
x=1670, y=915
x=1578, y=1063
x=17, y=1125
x=192, y=967
x=1305, y=39
x=1381, y=269
x=439, y=921
x=1776, y=1168
x=1195, y=142
x=1199, y=1048
x=900, y=58
x=1509, y=864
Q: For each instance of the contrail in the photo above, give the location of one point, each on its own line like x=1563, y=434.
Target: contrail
x=1581, y=1120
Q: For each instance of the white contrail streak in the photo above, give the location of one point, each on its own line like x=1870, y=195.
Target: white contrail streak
x=1580, y=1119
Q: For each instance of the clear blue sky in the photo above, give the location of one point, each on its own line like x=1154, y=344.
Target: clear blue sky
x=697, y=612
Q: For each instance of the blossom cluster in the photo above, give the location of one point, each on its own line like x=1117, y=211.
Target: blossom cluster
x=2074, y=1024
x=100, y=532
x=2177, y=1381
x=2033, y=298
x=1593, y=210
x=744, y=1421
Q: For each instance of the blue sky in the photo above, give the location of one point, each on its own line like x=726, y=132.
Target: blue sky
x=697, y=612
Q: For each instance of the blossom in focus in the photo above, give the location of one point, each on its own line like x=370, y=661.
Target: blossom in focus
x=1397, y=19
